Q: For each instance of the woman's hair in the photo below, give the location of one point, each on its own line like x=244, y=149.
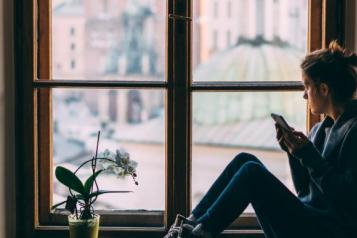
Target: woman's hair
x=335, y=67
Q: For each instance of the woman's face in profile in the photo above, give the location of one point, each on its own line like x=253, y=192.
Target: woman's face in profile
x=316, y=102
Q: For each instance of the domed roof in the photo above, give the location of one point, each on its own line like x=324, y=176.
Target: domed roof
x=237, y=118
x=248, y=62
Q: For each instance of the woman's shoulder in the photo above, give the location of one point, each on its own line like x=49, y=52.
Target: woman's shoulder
x=351, y=129
x=353, y=124
x=314, y=129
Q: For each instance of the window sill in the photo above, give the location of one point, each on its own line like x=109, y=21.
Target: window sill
x=138, y=232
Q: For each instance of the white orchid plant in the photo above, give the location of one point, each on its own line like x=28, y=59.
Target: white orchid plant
x=81, y=196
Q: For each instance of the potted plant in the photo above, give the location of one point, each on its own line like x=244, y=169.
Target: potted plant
x=83, y=222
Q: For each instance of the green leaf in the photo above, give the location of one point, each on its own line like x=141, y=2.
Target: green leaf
x=58, y=204
x=69, y=179
x=89, y=183
x=100, y=192
x=71, y=204
x=80, y=197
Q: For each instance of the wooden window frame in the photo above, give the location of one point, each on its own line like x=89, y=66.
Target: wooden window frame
x=33, y=114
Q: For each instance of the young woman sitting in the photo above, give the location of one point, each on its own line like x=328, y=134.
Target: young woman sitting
x=323, y=167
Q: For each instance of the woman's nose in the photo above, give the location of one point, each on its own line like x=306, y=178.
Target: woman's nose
x=304, y=95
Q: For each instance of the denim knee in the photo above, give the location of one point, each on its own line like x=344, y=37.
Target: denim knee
x=252, y=169
x=243, y=158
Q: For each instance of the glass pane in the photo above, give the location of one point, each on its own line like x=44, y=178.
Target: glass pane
x=225, y=124
x=130, y=120
x=108, y=39
x=248, y=40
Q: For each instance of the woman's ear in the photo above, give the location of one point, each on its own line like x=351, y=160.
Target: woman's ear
x=324, y=89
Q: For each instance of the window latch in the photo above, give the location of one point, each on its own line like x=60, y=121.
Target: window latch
x=179, y=17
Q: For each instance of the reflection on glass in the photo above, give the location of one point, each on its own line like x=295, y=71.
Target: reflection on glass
x=108, y=40
x=132, y=120
x=254, y=40
x=225, y=124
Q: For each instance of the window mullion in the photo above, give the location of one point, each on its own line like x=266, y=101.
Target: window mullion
x=314, y=42
x=44, y=111
x=247, y=86
x=178, y=151
x=98, y=84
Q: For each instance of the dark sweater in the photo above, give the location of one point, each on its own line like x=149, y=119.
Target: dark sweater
x=324, y=171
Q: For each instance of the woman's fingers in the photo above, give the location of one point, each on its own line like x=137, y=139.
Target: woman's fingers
x=302, y=139
x=300, y=135
x=280, y=138
x=282, y=143
x=289, y=145
x=295, y=140
x=279, y=132
x=289, y=137
x=290, y=140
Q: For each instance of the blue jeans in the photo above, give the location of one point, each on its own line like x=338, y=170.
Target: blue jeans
x=246, y=180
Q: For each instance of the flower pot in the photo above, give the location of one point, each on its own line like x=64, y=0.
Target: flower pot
x=83, y=228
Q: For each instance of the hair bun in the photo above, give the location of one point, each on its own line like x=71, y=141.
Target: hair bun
x=335, y=48
x=340, y=54
x=334, y=66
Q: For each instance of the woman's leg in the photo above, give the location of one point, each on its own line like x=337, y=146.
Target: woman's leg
x=280, y=213
x=221, y=182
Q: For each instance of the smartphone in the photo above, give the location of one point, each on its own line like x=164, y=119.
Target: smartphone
x=280, y=121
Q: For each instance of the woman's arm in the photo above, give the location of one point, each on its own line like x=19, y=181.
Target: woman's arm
x=300, y=176
x=339, y=185
x=299, y=173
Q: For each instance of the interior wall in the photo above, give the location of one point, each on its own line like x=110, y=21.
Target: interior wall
x=7, y=129
x=351, y=25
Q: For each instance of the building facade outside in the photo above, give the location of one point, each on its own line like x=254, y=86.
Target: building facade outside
x=233, y=40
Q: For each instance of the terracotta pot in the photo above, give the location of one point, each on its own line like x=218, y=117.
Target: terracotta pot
x=83, y=228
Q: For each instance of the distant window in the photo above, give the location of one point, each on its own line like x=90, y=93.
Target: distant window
x=73, y=64
x=215, y=9
x=215, y=39
x=229, y=9
x=58, y=66
x=105, y=6
x=72, y=31
x=113, y=105
x=229, y=42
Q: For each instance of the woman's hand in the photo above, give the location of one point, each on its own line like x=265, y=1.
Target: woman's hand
x=290, y=141
x=280, y=137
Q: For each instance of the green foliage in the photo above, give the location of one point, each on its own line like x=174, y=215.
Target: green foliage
x=89, y=183
x=100, y=192
x=85, y=195
x=69, y=179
